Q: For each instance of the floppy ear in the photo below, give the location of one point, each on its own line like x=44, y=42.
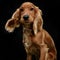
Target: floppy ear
x=38, y=22
x=12, y=23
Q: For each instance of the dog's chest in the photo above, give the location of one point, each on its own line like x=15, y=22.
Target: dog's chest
x=27, y=37
x=30, y=47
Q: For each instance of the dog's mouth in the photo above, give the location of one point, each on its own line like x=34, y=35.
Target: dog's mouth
x=27, y=24
x=27, y=21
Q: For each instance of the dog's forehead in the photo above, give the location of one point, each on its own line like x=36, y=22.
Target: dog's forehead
x=27, y=4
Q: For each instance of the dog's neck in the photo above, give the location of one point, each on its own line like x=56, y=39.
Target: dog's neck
x=27, y=34
x=28, y=29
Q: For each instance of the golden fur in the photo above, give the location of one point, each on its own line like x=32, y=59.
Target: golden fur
x=39, y=42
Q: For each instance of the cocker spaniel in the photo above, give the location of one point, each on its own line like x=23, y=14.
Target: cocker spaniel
x=38, y=44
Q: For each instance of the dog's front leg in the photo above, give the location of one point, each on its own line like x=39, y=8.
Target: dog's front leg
x=43, y=52
x=29, y=57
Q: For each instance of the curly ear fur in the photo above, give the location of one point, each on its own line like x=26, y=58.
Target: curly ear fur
x=13, y=22
x=38, y=22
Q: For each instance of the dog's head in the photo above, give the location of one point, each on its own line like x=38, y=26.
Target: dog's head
x=26, y=13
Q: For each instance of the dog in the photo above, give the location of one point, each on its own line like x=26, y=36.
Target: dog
x=38, y=43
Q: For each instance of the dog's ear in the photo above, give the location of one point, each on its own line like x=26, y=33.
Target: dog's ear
x=12, y=23
x=38, y=22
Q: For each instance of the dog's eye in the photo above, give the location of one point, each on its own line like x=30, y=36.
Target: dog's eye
x=21, y=9
x=31, y=9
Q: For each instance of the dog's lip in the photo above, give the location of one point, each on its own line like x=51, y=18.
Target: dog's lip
x=27, y=22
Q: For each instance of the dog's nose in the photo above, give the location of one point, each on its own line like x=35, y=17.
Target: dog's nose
x=25, y=17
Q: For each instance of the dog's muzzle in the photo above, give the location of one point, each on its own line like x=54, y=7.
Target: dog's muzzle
x=25, y=17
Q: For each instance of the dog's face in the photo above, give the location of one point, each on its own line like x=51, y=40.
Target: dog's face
x=27, y=12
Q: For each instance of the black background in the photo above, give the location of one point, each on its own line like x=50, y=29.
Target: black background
x=11, y=46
